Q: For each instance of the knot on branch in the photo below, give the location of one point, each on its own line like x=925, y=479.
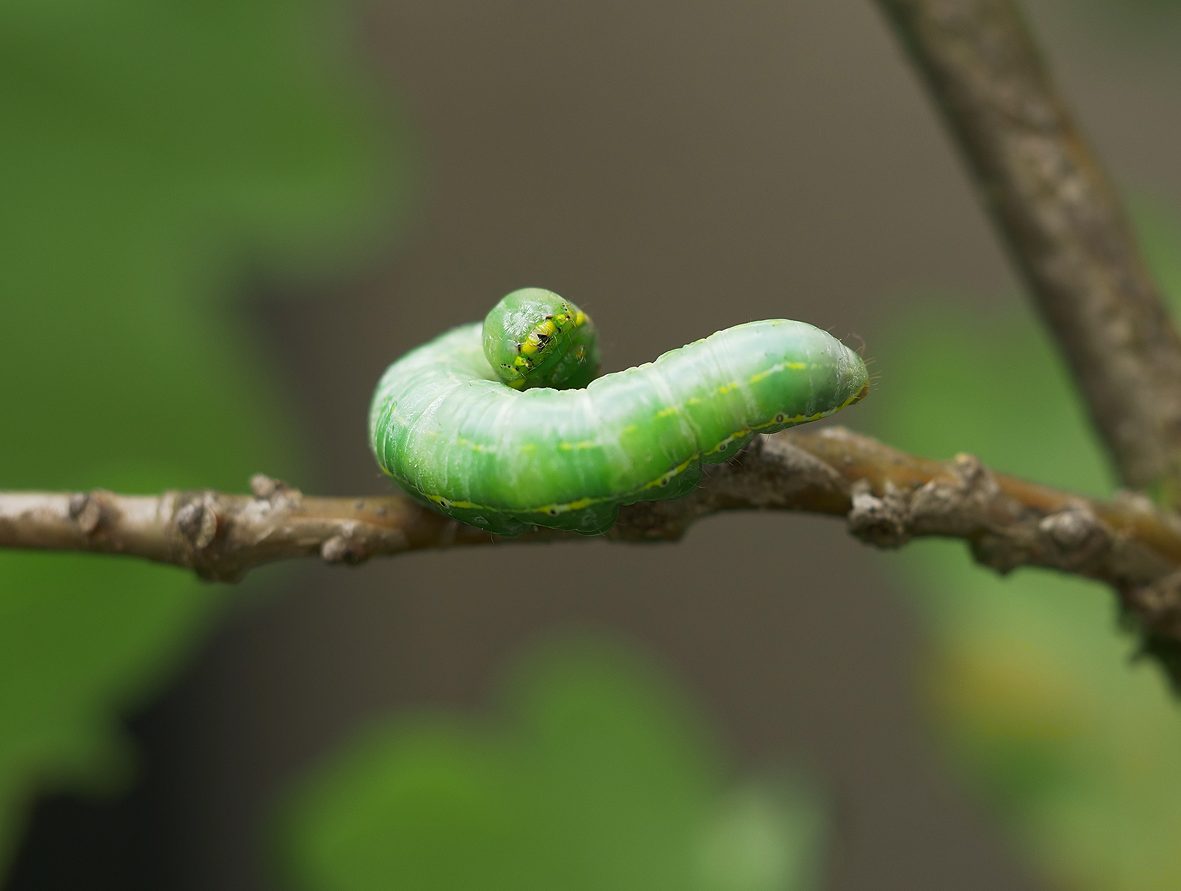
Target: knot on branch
x=344, y=548
x=959, y=504
x=1072, y=539
x=956, y=503
x=882, y=521
x=274, y=491
x=87, y=511
x=198, y=521
x=1077, y=535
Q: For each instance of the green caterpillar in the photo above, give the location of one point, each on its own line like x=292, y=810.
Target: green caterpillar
x=504, y=426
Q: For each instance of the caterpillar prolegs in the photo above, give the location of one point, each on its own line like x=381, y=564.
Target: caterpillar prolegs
x=504, y=425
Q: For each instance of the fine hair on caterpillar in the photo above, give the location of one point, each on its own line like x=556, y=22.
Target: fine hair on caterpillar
x=505, y=425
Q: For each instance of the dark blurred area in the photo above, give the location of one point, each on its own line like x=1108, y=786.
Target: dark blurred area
x=226, y=220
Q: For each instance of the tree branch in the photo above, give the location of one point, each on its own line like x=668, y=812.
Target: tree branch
x=1062, y=223
x=886, y=497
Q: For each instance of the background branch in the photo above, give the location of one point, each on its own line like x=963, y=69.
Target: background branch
x=1062, y=224
x=887, y=498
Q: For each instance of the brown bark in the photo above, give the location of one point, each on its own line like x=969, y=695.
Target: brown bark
x=1062, y=223
x=886, y=497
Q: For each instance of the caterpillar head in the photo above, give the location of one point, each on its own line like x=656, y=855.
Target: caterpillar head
x=534, y=338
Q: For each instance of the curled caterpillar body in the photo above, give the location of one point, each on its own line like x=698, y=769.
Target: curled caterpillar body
x=463, y=424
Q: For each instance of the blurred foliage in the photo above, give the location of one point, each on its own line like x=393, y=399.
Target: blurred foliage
x=148, y=150
x=1035, y=693
x=599, y=777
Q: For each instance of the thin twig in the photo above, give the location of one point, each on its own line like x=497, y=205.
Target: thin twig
x=887, y=498
x=1063, y=225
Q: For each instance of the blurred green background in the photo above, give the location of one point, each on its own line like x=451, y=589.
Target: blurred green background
x=221, y=221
